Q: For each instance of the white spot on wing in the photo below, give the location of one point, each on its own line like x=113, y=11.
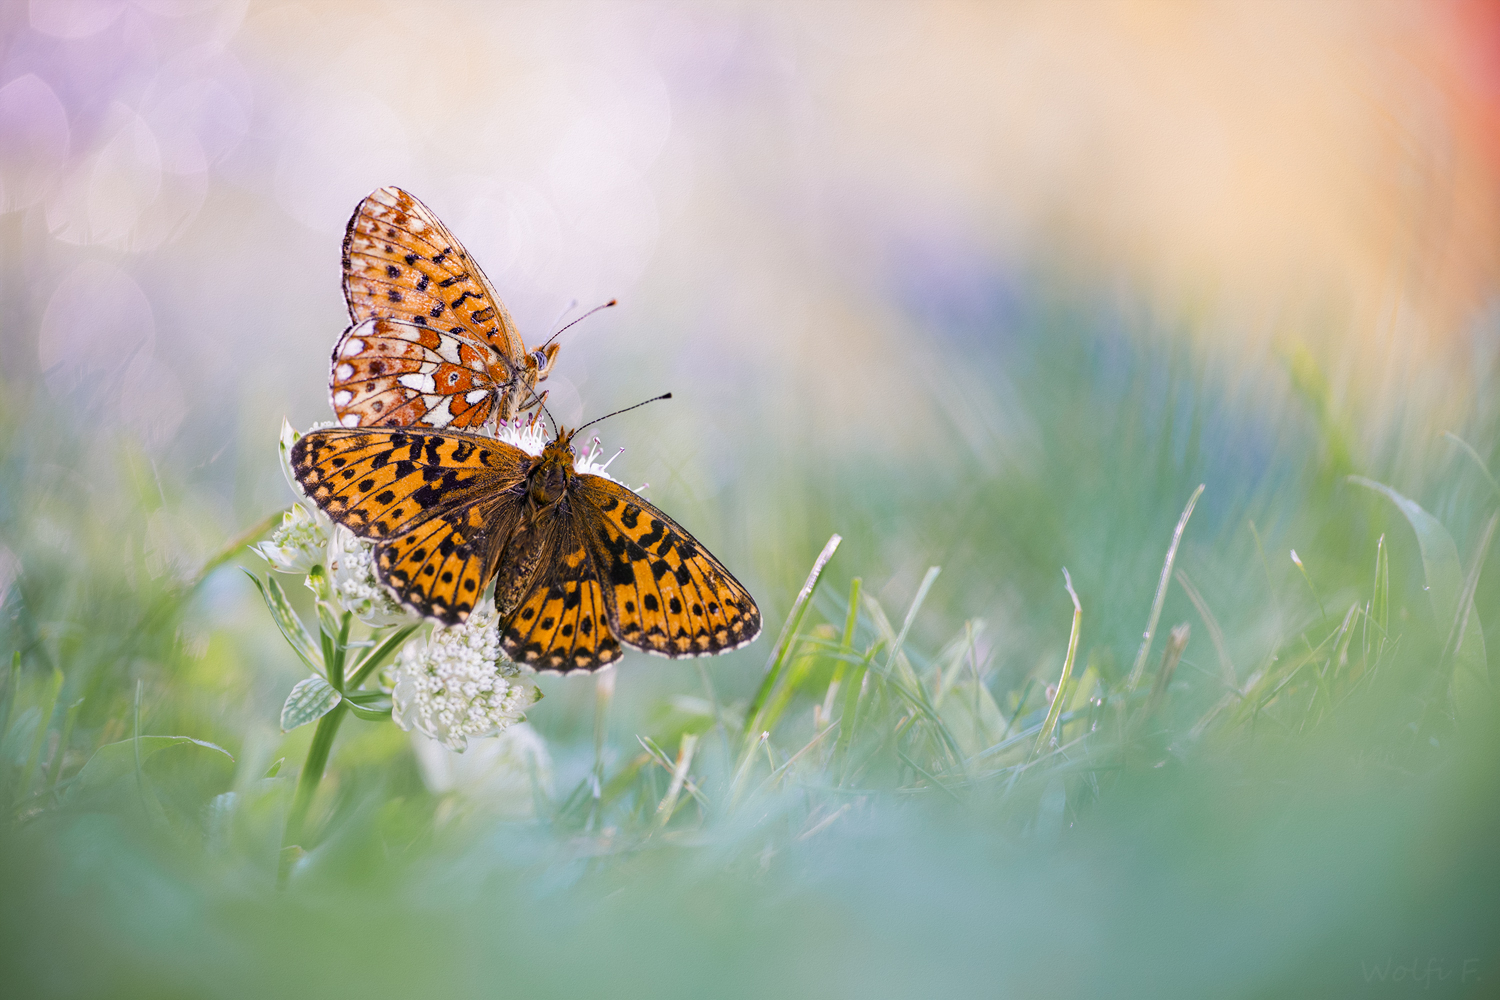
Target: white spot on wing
x=448, y=349
x=475, y=395
x=416, y=225
x=439, y=415
x=353, y=346
x=385, y=196
x=420, y=381
x=344, y=372
x=342, y=397
x=350, y=420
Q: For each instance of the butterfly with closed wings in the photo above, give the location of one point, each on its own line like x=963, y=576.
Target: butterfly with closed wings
x=581, y=564
x=431, y=344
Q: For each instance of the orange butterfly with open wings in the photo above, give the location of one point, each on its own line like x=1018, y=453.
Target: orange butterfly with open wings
x=581, y=564
x=431, y=344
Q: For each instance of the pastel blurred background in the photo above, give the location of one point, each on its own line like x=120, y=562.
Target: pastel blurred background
x=990, y=287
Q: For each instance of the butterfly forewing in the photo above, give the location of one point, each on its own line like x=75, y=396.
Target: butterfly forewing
x=391, y=373
x=666, y=593
x=380, y=484
x=400, y=261
x=402, y=264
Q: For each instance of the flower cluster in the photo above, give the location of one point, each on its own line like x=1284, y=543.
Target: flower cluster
x=456, y=684
x=352, y=562
x=298, y=545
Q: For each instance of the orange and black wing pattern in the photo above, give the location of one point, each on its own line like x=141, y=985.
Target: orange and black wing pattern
x=443, y=352
x=561, y=622
x=434, y=504
x=401, y=262
x=665, y=592
x=390, y=373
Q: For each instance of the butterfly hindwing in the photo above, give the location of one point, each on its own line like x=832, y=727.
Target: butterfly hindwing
x=437, y=568
x=562, y=622
x=666, y=593
x=401, y=262
x=383, y=483
x=390, y=373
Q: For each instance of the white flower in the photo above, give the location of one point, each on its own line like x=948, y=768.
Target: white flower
x=588, y=462
x=351, y=561
x=503, y=774
x=528, y=434
x=531, y=437
x=298, y=545
x=456, y=684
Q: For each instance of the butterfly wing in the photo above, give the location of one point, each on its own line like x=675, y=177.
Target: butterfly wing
x=438, y=568
x=562, y=622
x=383, y=483
x=401, y=262
x=390, y=373
x=434, y=502
x=666, y=593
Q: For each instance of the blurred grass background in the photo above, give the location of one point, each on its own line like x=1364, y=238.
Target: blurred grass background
x=986, y=287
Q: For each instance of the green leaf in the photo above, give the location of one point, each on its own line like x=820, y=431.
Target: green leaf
x=1445, y=589
x=275, y=767
x=310, y=700
x=286, y=619
x=372, y=706
x=114, y=761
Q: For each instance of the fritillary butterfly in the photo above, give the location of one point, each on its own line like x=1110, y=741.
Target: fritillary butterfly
x=581, y=564
x=431, y=344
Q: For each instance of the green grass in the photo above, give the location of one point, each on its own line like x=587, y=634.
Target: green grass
x=1286, y=788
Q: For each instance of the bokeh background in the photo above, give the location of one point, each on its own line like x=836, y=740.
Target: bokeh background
x=990, y=287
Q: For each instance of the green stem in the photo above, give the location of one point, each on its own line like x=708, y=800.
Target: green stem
x=307, y=784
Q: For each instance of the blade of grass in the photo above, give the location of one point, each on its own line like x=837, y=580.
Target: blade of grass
x=1445, y=586
x=39, y=740
x=846, y=645
x=785, y=641
x=1045, y=736
x=13, y=694
x=1215, y=633
x=1177, y=641
x=62, y=743
x=1470, y=684
x=849, y=714
x=1139, y=668
x=1484, y=469
x=668, y=804
x=1380, y=601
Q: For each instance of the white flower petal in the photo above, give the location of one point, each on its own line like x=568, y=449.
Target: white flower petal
x=456, y=684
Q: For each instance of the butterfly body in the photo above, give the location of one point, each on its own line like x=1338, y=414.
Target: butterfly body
x=431, y=344
x=581, y=564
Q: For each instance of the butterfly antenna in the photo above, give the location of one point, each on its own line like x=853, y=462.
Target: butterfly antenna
x=551, y=418
x=653, y=399
x=580, y=319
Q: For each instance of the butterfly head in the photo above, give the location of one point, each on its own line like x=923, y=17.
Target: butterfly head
x=540, y=360
x=552, y=472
